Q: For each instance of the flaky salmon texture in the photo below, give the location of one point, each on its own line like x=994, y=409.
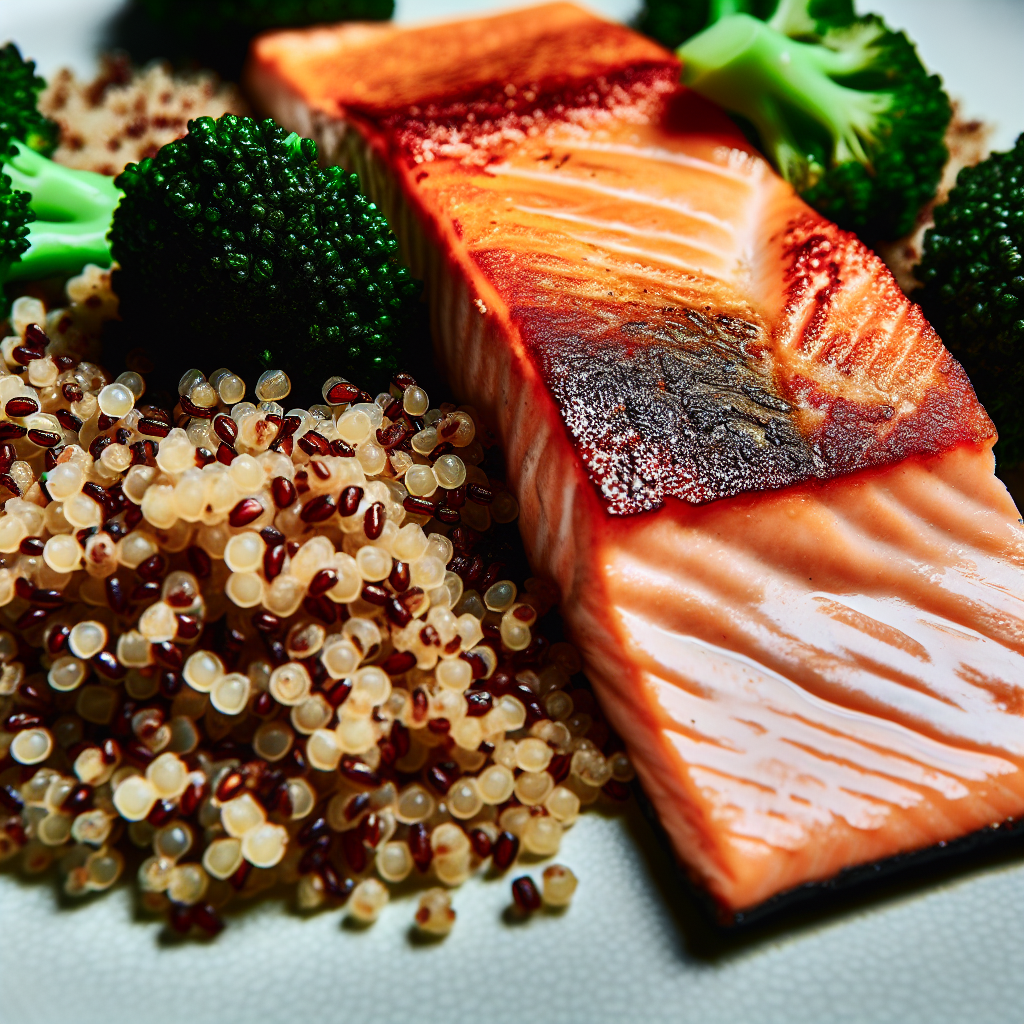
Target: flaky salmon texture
x=763, y=485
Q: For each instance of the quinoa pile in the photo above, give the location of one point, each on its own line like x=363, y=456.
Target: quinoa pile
x=244, y=644
x=126, y=114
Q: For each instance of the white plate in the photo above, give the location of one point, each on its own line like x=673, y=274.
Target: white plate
x=631, y=947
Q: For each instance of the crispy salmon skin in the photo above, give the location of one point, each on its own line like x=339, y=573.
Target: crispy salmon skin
x=763, y=485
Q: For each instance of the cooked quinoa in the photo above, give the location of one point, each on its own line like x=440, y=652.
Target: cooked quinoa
x=126, y=114
x=248, y=644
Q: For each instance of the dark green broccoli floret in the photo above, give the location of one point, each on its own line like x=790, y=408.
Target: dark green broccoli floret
x=973, y=275
x=672, y=22
x=15, y=217
x=246, y=17
x=20, y=87
x=237, y=247
x=68, y=211
x=216, y=33
x=841, y=105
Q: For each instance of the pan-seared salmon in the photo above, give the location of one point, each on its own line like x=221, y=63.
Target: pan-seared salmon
x=763, y=485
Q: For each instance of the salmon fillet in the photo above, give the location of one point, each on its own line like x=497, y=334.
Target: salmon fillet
x=761, y=482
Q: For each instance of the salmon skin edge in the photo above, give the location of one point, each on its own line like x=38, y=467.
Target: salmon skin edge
x=914, y=870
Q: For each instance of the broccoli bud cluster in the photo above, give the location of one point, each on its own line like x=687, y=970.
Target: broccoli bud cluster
x=973, y=275
x=841, y=104
x=19, y=117
x=233, y=243
x=250, y=16
x=879, y=190
x=15, y=217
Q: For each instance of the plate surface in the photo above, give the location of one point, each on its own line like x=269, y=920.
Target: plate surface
x=632, y=947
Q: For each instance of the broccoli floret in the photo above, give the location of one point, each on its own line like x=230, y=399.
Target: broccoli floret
x=20, y=118
x=236, y=246
x=247, y=17
x=672, y=22
x=216, y=33
x=973, y=275
x=841, y=105
x=67, y=212
x=15, y=217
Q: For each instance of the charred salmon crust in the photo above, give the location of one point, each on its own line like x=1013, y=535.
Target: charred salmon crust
x=764, y=487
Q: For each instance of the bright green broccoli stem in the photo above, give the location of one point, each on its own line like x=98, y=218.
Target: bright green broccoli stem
x=774, y=81
x=718, y=9
x=73, y=213
x=793, y=18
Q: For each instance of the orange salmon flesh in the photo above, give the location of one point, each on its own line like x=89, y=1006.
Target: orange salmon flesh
x=761, y=482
